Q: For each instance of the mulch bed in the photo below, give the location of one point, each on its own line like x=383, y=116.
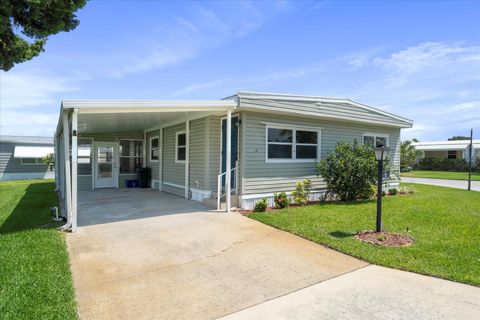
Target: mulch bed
x=386, y=239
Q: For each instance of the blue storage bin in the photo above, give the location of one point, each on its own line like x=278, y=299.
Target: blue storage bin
x=131, y=183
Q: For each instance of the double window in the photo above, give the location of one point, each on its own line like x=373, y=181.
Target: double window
x=131, y=156
x=180, y=147
x=292, y=144
x=375, y=139
x=154, y=149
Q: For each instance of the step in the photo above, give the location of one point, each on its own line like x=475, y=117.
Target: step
x=212, y=202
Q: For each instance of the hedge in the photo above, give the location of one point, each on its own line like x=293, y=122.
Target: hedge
x=439, y=164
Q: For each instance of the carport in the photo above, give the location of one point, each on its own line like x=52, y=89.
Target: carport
x=90, y=117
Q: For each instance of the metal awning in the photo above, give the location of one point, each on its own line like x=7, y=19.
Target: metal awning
x=31, y=151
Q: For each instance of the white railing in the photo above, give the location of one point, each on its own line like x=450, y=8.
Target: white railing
x=220, y=194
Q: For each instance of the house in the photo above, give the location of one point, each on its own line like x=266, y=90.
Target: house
x=456, y=149
x=21, y=157
x=238, y=149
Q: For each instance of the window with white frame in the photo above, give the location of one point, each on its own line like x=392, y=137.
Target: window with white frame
x=181, y=147
x=287, y=143
x=31, y=161
x=84, y=160
x=375, y=139
x=154, y=149
x=131, y=156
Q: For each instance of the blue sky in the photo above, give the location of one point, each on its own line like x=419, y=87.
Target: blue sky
x=420, y=60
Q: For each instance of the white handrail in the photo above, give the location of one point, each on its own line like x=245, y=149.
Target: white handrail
x=219, y=185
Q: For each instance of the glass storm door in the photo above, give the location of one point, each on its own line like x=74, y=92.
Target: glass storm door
x=106, y=158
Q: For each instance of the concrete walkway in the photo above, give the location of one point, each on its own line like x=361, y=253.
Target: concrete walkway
x=373, y=293
x=458, y=184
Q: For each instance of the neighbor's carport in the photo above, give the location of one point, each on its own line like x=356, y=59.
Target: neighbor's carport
x=87, y=116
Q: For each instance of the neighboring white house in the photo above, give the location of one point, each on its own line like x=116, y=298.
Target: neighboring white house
x=238, y=149
x=456, y=149
x=21, y=157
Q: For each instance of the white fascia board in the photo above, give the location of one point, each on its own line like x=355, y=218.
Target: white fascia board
x=31, y=151
x=324, y=116
x=104, y=106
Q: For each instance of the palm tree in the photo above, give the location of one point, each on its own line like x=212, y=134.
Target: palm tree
x=408, y=153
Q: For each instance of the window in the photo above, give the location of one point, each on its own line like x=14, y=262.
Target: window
x=291, y=144
x=452, y=154
x=84, y=159
x=181, y=147
x=131, y=156
x=154, y=149
x=375, y=139
x=31, y=161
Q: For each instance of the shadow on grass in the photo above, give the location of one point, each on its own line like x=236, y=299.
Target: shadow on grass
x=341, y=234
x=32, y=211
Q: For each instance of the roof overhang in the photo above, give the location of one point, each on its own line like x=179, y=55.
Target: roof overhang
x=396, y=120
x=112, y=106
x=31, y=151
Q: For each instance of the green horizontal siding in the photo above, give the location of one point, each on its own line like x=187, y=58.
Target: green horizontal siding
x=266, y=177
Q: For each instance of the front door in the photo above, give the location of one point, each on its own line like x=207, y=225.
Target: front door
x=234, y=159
x=106, y=159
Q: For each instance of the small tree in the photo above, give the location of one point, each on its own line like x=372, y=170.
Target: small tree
x=350, y=171
x=49, y=161
x=408, y=153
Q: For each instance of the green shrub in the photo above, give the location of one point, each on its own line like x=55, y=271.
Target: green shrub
x=302, y=192
x=406, y=189
x=281, y=199
x=392, y=191
x=349, y=171
x=261, y=205
x=439, y=164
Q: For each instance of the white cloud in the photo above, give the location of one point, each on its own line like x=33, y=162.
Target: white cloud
x=27, y=122
x=31, y=89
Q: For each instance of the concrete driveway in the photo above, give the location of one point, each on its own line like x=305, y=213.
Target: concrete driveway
x=458, y=184
x=199, y=265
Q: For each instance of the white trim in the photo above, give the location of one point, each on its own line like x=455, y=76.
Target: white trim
x=160, y=158
x=228, y=166
x=135, y=106
x=286, y=125
x=375, y=135
x=294, y=143
x=187, y=157
x=74, y=169
x=174, y=185
x=236, y=115
x=176, y=146
x=150, y=148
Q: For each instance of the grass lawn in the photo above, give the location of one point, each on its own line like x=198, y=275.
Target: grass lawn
x=441, y=175
x=35, y=279
x=444, y=222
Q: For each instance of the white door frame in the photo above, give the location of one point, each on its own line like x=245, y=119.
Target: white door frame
x=115, y=168
x=235, y=115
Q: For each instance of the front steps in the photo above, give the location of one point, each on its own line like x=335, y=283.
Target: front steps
x=212, y=202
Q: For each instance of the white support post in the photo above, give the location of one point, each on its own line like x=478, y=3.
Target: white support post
x=74, y=168
x=160, y=159
x=187, y=156
x=228, y=173
x=67, y=171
